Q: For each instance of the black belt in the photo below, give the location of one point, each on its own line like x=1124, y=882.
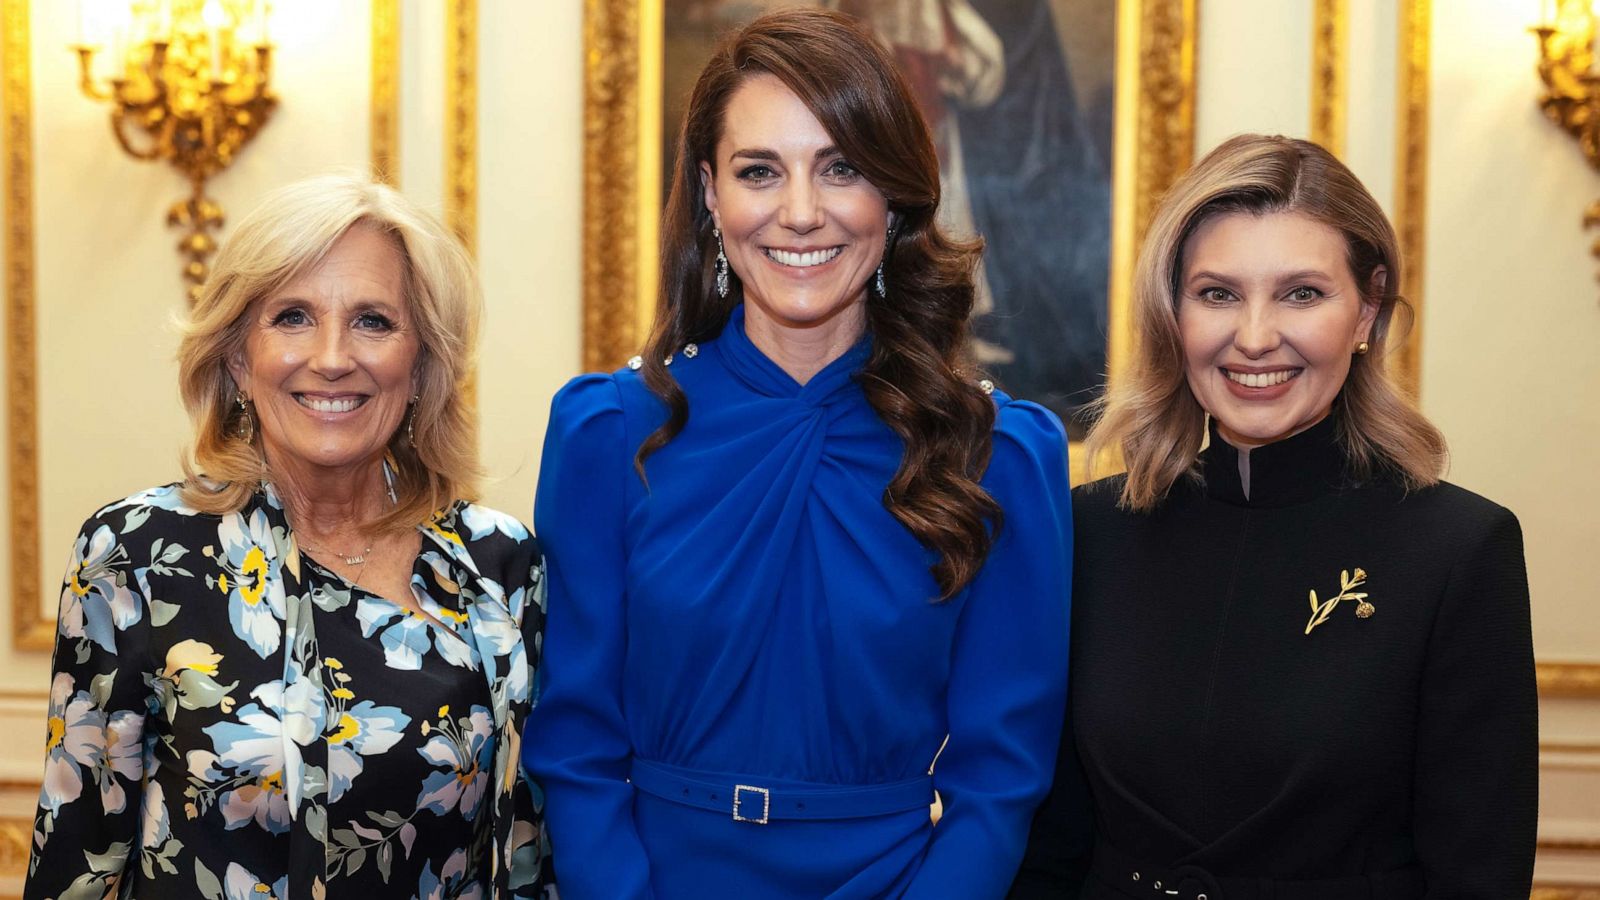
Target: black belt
x=1138, y=879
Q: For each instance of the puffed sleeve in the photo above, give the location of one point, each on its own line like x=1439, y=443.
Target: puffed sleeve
x=1008, y=678
x=1477, y=763
x=577, y=743
x=88, y=821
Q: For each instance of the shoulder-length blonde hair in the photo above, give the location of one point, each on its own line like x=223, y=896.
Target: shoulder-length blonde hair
x=291, y=231
x=1153, y=418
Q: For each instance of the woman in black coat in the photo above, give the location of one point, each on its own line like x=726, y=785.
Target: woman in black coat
x=1302, y=664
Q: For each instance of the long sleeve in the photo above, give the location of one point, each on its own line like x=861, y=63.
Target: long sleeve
x=1008, y=680
x=577, y=744
x=1477, y=737
x=88, y=824
x=1057, y=857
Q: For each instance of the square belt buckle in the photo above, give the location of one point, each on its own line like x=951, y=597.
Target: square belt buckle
x=739, y=799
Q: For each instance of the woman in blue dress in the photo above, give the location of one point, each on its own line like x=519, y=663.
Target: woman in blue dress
x=798, y=547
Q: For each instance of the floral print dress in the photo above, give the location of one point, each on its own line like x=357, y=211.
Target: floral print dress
x=229, y=719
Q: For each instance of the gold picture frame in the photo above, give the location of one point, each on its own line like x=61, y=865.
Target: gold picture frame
x=1154, y=143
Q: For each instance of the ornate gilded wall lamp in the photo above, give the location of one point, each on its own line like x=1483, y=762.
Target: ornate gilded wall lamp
x=1571, y=97
x=189, y=84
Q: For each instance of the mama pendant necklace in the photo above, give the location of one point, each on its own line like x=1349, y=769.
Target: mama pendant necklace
x=349, y=559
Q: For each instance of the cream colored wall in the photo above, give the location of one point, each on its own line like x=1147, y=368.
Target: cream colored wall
x=107, y=273
x=1511, y=358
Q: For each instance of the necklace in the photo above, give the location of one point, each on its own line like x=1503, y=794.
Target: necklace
x=349, y=560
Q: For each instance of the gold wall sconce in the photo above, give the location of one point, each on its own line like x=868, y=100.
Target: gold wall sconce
x=1571, y=96
x=189, y=84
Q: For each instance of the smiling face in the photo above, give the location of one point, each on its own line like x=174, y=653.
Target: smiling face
x=803, y=230
x=329, y=362
x=1269, y=315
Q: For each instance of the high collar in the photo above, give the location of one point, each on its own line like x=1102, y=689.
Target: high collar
x=1296, y=469
x=766, y=377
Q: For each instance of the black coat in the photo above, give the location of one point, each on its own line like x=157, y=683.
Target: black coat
x=1228, y=752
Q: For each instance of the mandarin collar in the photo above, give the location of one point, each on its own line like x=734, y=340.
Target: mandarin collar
x=1296, y=469
x=762, y=375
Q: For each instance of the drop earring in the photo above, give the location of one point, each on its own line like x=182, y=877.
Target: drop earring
x=879, y=285
x=247, y=424
x=722, y=265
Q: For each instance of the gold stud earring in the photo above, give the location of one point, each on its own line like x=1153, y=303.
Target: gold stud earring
x=1362, y=347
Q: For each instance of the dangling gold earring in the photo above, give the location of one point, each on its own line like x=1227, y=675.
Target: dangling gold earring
x=1362, y=347
x=411, y=421
x=247, y=424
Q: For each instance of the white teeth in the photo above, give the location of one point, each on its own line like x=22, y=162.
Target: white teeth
x=329, y=406
x=1262, y=379
x=803, y=260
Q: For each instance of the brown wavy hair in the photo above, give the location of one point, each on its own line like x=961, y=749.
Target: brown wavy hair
x=1153, y=418
x=918, y=377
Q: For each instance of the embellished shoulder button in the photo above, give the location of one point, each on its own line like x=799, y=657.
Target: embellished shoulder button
x=690, y=351
x=636, y=363
x=986, y=386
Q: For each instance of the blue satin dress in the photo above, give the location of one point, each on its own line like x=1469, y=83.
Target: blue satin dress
x=755, y=626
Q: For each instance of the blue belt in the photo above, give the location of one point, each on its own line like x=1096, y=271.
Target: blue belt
x=749, y=800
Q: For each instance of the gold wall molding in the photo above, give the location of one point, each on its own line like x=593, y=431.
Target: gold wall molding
x=1331, y=29
x=385, y=113
x=461, y=121
x=1565, y=893
x=30, y=628
x=1154, y=145
x=612, y=183
x=1569, y=679
x=1411, y=197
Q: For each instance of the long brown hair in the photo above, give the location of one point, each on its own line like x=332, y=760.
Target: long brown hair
x=918, y=378
x=1153, y=418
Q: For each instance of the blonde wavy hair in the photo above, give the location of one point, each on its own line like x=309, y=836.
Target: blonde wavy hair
x=290, y=232
x=1153, y=419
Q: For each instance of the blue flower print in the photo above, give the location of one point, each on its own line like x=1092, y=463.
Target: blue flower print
x=241, y=884
x=249, y=563
x=245, y=777
x=365, y=729
x=407, y=637
x=462, y=749
x=450, y=884
x=123, y=762
x=481, y=522
x=73, y=741
x=95, y=600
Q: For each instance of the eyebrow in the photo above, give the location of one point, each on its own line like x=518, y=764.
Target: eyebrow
x=766, y=154
x=1298, y=275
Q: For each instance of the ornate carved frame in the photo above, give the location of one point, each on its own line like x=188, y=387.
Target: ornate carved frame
x=621, y=121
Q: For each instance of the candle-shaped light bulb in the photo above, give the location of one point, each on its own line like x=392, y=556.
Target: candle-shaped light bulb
x=214, y=17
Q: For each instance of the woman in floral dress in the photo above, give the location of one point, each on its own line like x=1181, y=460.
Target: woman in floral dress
x=303, y=671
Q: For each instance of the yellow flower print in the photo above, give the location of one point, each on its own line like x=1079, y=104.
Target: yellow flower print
x=191, y=654
x=255, y=566
x=349, y=728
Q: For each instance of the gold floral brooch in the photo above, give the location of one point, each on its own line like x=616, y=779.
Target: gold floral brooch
x=1348, y=582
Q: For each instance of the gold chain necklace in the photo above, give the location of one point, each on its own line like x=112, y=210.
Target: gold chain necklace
x=349, y=560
